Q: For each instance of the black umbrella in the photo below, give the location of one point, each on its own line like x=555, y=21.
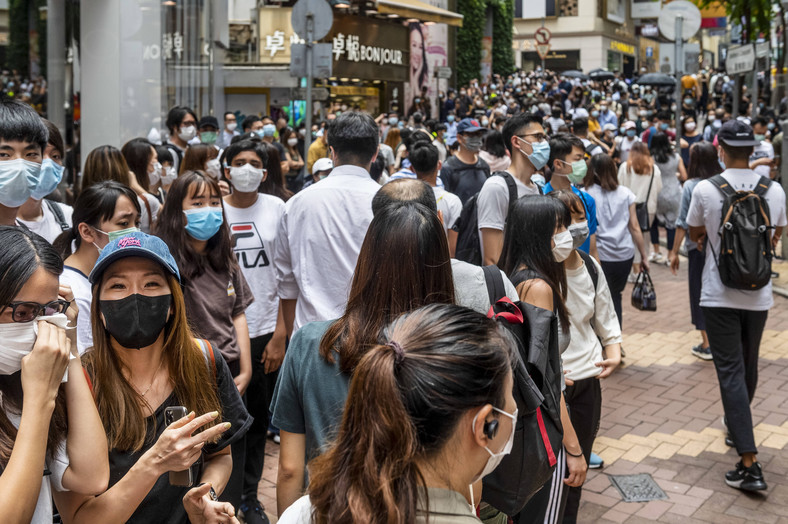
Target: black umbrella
x=601, y=74
x=656, y=79
x=574, y=73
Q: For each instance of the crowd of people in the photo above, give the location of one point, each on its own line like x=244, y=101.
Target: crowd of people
x=201, y=294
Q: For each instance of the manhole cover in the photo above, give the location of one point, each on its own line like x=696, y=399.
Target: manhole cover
x=637, y=488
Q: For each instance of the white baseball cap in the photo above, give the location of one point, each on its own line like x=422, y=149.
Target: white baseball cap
x=322, y=164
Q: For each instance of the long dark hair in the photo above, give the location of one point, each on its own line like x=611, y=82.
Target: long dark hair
x=661, y=149
x=274, y=183
x=105, y=163
x=138, y=153
x=493, y=144
x=171, y=227
x=94, y=204
x=539, y=215
x=402, y=408
x=603, y=172
x=383, y=287
x=22, y=255
x=703, y=162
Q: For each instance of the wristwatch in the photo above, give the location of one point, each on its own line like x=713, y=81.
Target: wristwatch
x=212, y=493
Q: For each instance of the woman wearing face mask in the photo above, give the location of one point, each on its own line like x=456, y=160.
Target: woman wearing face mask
x=534, y=263
x=216, y=292
x=618, y=231
x=594, y=349
x=101, y=212
x=690, y=134
x=44, y=216
x=145, y=360
x=202, y=157
x=42, y=415
x=168, y=173
x=274, y=181
x=322, y=356
x=145, y=178
x=394, y=390
x=671, y=169
x=294, y=177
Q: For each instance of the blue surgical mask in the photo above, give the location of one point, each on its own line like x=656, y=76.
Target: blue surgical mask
x=663, y=126
x=595, y=114
x=540, y=154
x=50, y=177
x=450, y=118
x=393, y=121
x=18, y=178
x=770, y=126
x=630, y=133
x=269, y=130
x=202, y=224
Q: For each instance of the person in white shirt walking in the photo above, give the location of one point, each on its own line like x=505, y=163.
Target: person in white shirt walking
x=227, y=134
x=321, y=232
x=735, y=318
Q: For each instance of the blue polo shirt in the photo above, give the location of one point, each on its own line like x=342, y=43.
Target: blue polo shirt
x=590, y=207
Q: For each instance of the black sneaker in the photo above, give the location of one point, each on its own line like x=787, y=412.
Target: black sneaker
x=746, y=479
x=701, y=352
x=253, y=512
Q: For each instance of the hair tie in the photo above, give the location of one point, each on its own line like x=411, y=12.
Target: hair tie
x=399, y=353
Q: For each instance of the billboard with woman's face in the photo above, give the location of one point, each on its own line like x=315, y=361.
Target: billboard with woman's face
x=427, y=52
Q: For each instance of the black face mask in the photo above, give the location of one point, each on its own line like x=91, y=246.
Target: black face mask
x=137, y=320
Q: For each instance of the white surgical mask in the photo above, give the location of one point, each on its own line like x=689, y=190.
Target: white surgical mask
x=169, y=177
x=17, y=340
x=18, y=179
x=247, y=178
x=212, y=168
x=563, y=245
x=231, y=127
x=292, y=142
x=579, y=232
x=155, y=177
x=187, y=133
x=496, y=458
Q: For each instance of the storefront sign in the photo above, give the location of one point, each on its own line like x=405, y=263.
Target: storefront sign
x=622, y=47
x=276, y=35
x=649, y=30
x=369, y=49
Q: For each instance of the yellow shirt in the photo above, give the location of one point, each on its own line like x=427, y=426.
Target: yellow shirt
x=593, y=125
x=317, y=150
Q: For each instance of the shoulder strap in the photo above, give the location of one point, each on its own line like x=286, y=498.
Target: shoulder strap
x=650, y=183
x=59, y=216
x=590, y=267
x=590, y=148
x=762, y=187
x=207, y=351
x=510, y=183
x=723, y=185
x=495, y=286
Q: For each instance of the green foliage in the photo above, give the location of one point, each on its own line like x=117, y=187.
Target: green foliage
x=503, y=21
x=469, y=39
x=757, y=15
x=18, y=39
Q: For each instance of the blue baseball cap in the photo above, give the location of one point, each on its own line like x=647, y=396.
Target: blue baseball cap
x=469, y=125
x=136, y=244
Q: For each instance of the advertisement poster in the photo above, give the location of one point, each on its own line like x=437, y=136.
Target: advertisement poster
x=427, y=52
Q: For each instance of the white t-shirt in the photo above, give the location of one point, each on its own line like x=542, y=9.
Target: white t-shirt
x=47, y=226
x=57, y=466
x=591, y=318
x=492, y=206
x=613, y=239
x=706, y=210
x=763, y=150
x=82, y=294
x=253, y=231
x=624, y=145
x=449, y=205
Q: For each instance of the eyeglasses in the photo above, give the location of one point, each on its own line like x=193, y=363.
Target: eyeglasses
x=28, y=311
x=540, y=137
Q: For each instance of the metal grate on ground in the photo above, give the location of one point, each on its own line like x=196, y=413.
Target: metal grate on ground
x=637, y=488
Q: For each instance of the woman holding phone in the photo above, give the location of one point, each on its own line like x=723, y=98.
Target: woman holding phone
x=144, y=360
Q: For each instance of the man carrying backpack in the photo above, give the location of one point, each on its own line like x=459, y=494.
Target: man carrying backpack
x=740, y=216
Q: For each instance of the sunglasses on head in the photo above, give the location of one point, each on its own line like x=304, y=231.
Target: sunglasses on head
x=28, y=311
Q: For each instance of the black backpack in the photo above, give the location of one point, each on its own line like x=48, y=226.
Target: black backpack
x=745, y=257
x=537, y=390
x=469, y=247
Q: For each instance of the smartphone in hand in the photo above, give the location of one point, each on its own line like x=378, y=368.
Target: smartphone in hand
x=178, y=478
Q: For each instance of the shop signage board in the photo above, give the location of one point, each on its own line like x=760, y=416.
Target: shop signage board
x=443, y=72
x=740, y=59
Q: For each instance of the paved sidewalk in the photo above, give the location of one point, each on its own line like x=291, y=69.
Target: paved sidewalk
x=661, y=415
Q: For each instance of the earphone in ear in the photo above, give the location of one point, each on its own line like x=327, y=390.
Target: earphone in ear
x=490, y=429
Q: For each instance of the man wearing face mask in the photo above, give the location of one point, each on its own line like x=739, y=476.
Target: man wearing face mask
x=567, y=158
x=229, y=131
x=267, y=134
x=23, y=138
x=209, y=131
x=464, y=173
x=253, y=218
x=182, y=125
x=715, y=121
x=762, y=154
x=451, y=128
x=624, y=143
x=580, y=130
x=526, y=141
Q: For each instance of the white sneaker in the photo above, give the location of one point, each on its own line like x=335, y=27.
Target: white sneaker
x=632, y=278
x=657, y=258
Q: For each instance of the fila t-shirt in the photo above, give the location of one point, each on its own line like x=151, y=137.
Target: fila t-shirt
x=253, y=230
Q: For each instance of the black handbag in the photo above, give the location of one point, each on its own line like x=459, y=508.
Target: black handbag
x=644, y=297
x=641, y=209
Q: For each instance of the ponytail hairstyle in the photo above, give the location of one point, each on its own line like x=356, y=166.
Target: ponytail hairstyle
x=541, y=215
x=22, y=255
x=383, y=287
x=95, y=204
x=431, y=366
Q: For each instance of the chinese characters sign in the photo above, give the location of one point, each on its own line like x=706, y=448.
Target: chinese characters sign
x=349, y=46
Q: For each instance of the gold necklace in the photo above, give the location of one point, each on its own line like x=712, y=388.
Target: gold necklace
x=154, y=378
